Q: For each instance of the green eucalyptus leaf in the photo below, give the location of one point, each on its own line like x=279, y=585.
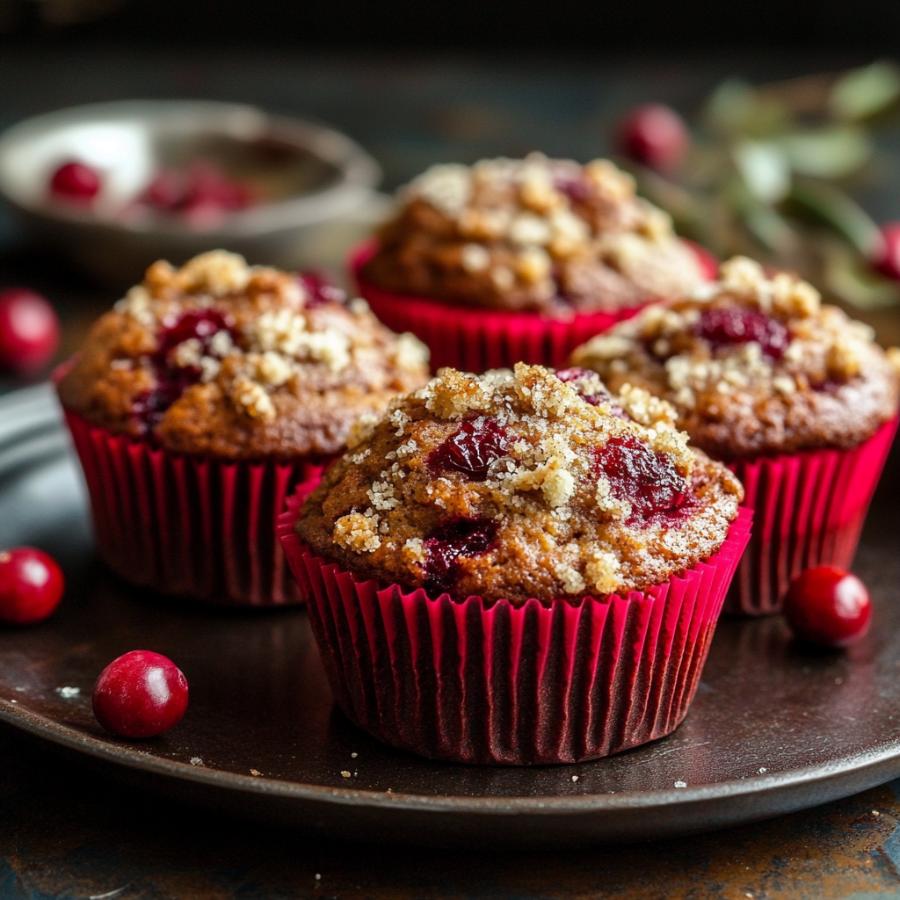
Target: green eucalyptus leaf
x=764, y=169
x=830, y=207
x=850, y=277
x=866, y=92
x=827, y=153
x=735, y=108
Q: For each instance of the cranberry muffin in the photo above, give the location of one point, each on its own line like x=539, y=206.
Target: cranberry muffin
x=795, y=396
x=485, y=522
x=202, y=398
x=521, y=252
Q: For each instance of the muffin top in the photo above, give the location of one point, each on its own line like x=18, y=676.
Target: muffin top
x=542, y=235
x=754, y=364
x=521, y=484
x=223, y=359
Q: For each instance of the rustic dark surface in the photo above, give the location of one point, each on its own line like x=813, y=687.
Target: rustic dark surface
x=68, y=832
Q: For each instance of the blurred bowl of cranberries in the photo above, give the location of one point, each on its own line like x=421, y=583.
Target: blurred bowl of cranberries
x=117, y=185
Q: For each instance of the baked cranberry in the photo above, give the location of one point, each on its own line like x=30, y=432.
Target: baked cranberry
x=75, y=182
x=646, y=479
x=320, y=291
x=447, y=543
x=724, y=327
x=586, y=383
x=887, y=254
x=29, y=331
x=576, y=189
x=471, y=449
x=140, y=694
x=202, y=324
x=828, y=606
x=653, y=135
x=31, y=585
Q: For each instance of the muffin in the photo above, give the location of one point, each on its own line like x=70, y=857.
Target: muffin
x=796, y=397
x=201, y=400
x=520, y=260
x=517, y=568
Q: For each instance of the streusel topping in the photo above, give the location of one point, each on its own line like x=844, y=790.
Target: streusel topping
x=223, y=358
x=532, y=234
x=754, y=364
x=521, y=484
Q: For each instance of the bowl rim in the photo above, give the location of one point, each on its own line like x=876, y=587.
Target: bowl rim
x=358, y=172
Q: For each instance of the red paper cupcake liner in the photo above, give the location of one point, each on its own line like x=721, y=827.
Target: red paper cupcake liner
x=809, y=510
x=196, y=528
x=515, y=684
x=476, y=339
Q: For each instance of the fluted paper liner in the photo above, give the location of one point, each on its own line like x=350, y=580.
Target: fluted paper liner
x=537, y=682
x=809, y=510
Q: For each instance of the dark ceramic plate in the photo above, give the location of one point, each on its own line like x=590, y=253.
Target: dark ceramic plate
x=773, y=728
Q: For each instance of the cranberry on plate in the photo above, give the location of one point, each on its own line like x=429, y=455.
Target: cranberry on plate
x=655, y=136
x=29, y=331
x=828, y=606
x=31, y=585
x=140, y=694
x=75, y=182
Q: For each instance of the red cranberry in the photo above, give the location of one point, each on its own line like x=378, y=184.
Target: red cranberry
x=320, y=291
x=887, y=255
x=75, y=182
x=140, y=694
x=31, y=585
x=447, y=543
x=723, y=327
x=655, y=136
x=646, y=479
x=202, y=324
x=29, y=331
x=827, y=606
x=576, y=189
x=165, y=191
x=586, y=383
x=471, y=449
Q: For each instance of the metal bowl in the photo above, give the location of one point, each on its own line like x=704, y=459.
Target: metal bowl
x=312, y=177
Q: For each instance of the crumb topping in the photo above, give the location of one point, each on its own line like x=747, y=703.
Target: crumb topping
x=535, y=233
x=754, y=363
x=214, y=356
x=519, y=484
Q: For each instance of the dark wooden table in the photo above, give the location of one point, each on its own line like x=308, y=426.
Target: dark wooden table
x=67, y=831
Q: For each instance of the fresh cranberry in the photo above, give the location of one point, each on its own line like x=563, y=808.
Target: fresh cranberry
x=140, y=694
x=723, y=327
x=447, y=543
x=887, y=255
x=75, y=182
x=646, y=479
x=828, y=606
x=29, y=331
x=165, y=191
x=320, y=291
x=655, y=136
x=471, y=449
x=31, y=585
x=202, y=194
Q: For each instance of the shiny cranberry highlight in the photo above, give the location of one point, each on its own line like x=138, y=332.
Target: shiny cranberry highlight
x=471, y=449
x=29, y=331
x=447, y=543
x=887, y=255
x=31, y=585
x=726, y=327
x=828, y=606
x=646, y=479
x=140, y=694
x=655, y=136
x=75, y=182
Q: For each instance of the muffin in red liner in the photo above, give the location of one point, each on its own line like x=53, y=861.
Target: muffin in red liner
x=491, y=596
x=797, y=399
x=520, y=260
x=200, y=403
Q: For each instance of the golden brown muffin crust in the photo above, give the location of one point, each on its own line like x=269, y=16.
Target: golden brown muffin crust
x=536, y=234
x=517, y=485
x=219, y=358
x=807, y=377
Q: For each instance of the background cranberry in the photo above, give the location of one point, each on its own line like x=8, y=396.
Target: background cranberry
x=31, y=585
x=827, y=606
x=887, y=255
x=75, y=181
x=140, y=694
x=29, y=331
x=655, y=136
